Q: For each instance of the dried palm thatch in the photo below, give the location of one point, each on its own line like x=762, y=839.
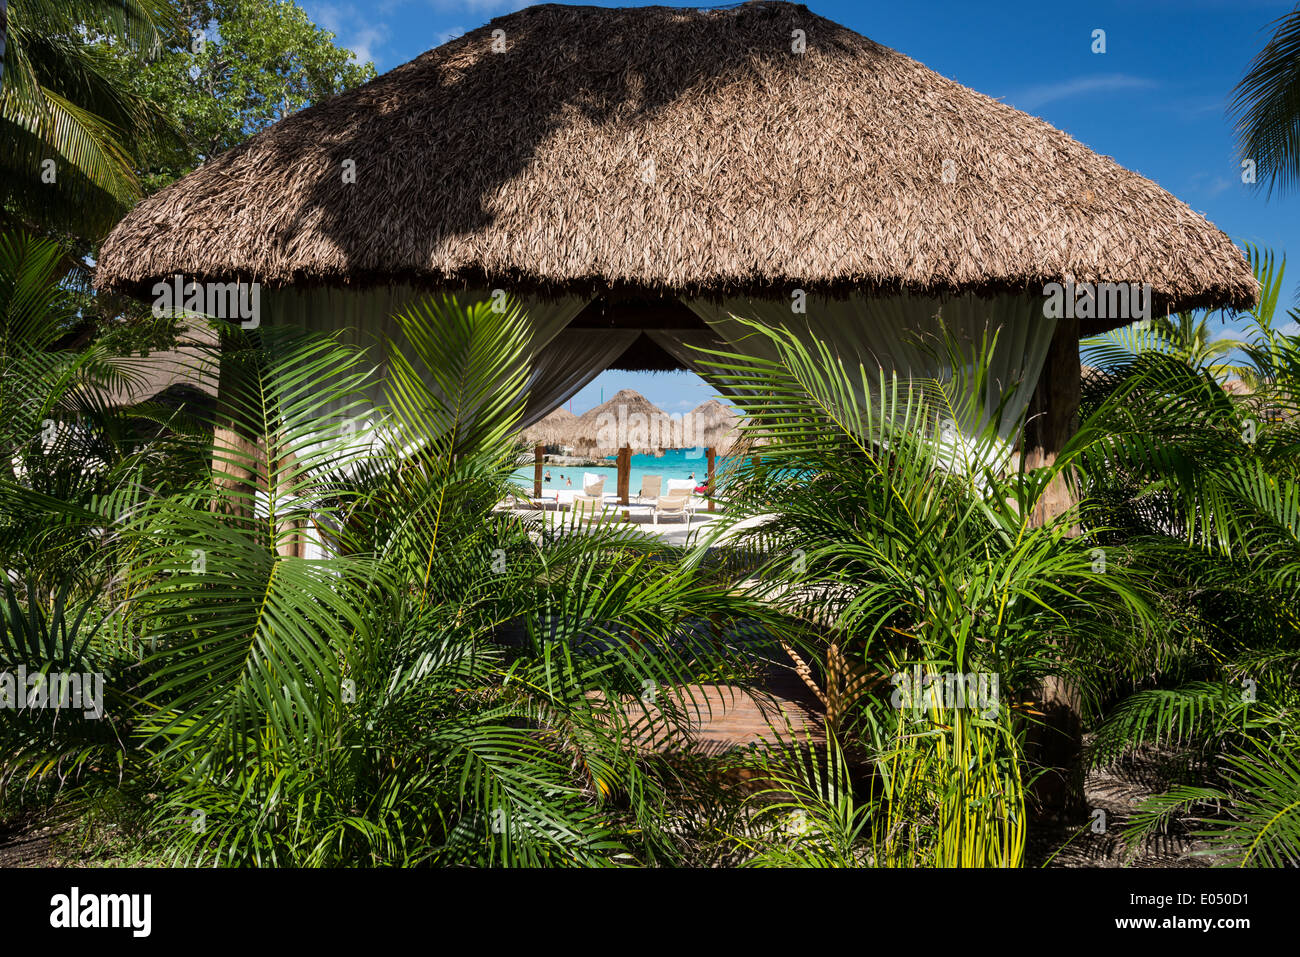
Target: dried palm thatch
x=555, y=428
x=686, y=151
x=629, y=418
x=716, y=425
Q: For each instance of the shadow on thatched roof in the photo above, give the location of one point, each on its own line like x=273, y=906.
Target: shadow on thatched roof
x=685, y=151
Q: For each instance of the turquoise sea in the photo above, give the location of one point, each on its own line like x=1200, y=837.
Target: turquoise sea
x=674, y=464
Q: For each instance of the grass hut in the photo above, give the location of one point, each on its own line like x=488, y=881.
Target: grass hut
x=636, y=176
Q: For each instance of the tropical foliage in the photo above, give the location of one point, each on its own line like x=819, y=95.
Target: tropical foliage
x=72, y=127
x=1205, y=482
x=331, y=645
x=1266, y=107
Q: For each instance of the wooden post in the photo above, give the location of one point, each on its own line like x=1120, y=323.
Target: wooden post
x=712, y=455
x=291, y=532
x=236, y=452
x=1054, y=417
x=538, y=454
x=624, y=475
x=1057, y=743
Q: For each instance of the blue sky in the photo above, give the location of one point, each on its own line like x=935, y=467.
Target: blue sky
x=1154, y=101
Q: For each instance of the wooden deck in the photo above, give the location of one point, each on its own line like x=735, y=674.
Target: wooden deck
x=728, y=717
x=723, y=717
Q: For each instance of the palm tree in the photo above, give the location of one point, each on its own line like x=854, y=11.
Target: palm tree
x=70, y=126
x=1204, y=485
x=1185, y=335
x=909, y=559
x=70, y=464
x=446, y=684
x=1267, y=106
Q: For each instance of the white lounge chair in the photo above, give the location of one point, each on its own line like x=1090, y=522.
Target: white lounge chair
x=675, y=503
x=593, y=484
x=588, y=508
x=651, y=486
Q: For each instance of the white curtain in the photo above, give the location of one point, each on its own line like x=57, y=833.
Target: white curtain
x=902, y=334
x=365, y=318
x=567, y=363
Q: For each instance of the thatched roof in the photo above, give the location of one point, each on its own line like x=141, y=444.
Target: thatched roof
x=711, y=424
x=594, y=429
x=677, y=150
x=718, y=424
x=555, y=428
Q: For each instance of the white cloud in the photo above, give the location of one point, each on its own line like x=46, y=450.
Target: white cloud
x=451, y=34
x=353, y=27
x=1036, y=96
x=479, y=7
x=363, y=42
x=327, y=15
x=1227, y=331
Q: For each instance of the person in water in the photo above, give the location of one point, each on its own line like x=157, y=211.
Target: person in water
x=548, y=475
x=568, y=482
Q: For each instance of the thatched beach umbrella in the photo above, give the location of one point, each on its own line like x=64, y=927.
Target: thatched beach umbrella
x=636, y=175
x=555, y=428
x=716, y=424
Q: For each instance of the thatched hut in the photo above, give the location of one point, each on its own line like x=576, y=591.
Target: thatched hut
x=636, y=176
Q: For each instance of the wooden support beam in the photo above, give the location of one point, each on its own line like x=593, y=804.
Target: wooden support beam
x=1054, y=417
x=624, y=476
x=1057, y=742
x=539, y=454
x=236, y=452
x=712, y=454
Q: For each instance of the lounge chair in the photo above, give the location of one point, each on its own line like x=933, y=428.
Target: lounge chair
x=651, y=485
x=588, y=508
x=675, y=503
x=593, y=485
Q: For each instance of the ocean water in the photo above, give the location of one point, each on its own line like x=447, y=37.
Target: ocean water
x=674, y=464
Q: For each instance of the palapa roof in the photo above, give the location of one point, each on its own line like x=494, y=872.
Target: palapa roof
x=685, y=151
x=554, y=428
x=714, y=424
